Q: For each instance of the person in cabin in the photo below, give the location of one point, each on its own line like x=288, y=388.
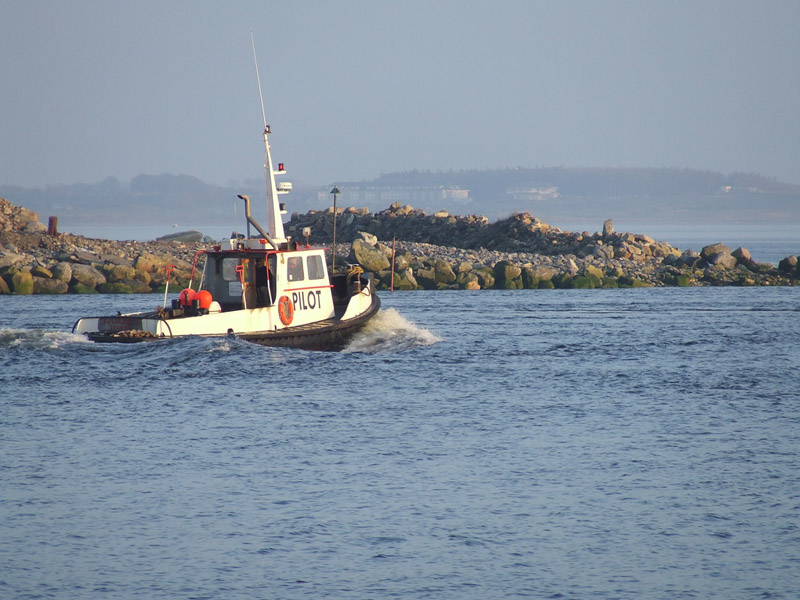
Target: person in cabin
x=262, y=282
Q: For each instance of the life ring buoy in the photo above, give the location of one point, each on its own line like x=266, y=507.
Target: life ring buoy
x=285, y=310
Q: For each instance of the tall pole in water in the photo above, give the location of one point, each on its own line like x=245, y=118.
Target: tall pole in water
x=335, y=192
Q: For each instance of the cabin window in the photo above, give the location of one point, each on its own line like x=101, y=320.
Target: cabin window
x=294, y=269
x=229, y=272
x=229, y=269
x=314, y=264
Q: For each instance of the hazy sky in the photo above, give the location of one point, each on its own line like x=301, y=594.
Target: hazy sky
x=353, y=89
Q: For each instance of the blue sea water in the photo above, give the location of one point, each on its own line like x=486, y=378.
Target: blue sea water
x=640, y=443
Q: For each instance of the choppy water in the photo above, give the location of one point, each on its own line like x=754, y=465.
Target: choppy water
x=545, y=444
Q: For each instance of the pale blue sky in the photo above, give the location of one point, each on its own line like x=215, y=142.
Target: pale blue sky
x=353, y=89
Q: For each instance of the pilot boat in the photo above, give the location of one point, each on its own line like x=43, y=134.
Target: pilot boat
x=265, y=288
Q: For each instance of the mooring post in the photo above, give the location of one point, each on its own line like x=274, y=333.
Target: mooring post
x=335, y=191
x=52, y=226
x=394, y=241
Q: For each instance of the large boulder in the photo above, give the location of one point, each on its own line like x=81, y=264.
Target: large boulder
x=87, y=275
x=468, y=280
x=603, y=252
x=508, y=275
x=722, y=259
x=485, y=277
x=156, y=263
x=690, y=258
x=529, y=279
x=9, y=258
x=40, y=271
x=788, y=264
x=371, y=257
x=743, y=257
x=136, y=286
x=426, y=278
x=405, y=280
x=443, y=272
x=44, y=285
x=543, y=272
x=713, y=249
x=592, y=272
x=120, y=272
x=369, y=238
x=63, y=272
x=402, y=261
x=21, y=282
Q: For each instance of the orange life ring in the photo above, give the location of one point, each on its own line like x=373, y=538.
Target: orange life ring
x=285, y=310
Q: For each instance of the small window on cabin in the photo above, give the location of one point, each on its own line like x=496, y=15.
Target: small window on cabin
x=314, y=264
x=229, y=269
x=229, y=272
x=294, y=269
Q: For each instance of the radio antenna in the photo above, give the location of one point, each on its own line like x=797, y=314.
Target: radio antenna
x=258, y=78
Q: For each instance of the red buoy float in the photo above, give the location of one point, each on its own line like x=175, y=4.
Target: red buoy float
x=186, y=296
x=285, y=310
x=204, y=297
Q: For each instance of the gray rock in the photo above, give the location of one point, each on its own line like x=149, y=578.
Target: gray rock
x=544, y=272
x=136, y=286
x=181, y=236
x=485, y=277
x=370, y=257
x=712, y=249
x=426, y=278
x=603, y=252
x=33, y=227
x=367, y=237
x=8, y=259
x=506, y=271
x=87, y=275
x=120, y=273
x=443, y=272
x=63, y=272
x=43, y=285
x=572, y=268
x=722, y=259
x=115, y=259
x=788, y=264
x=608, y=228
x=405, y=280
x=83, y=257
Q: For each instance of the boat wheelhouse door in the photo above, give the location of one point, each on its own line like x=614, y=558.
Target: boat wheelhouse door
x=265, y=280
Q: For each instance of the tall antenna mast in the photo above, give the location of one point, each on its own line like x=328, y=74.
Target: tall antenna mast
x=274, y=222
x=258, y=78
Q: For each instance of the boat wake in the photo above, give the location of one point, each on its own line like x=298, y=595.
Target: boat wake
x=389, y=331
x=38, y=339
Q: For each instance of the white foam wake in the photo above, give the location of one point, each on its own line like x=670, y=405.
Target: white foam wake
x=389, y=331
x=38, y=338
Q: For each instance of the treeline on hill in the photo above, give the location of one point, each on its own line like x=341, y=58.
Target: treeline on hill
x=595, y=182
x=635, y=193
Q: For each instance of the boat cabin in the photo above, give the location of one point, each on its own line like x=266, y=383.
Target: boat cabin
x=243, y=277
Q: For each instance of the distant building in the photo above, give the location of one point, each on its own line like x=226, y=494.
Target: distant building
x=384, y=195
x=532, y=194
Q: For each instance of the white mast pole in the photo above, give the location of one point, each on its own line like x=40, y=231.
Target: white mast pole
x=274, y=222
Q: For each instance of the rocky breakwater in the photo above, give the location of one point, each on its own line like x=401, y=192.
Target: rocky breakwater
x=33, y=262
x=442, y=251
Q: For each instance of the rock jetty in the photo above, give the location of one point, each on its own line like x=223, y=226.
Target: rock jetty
x=439, y=251
x=33, y=262
x=447, y=251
